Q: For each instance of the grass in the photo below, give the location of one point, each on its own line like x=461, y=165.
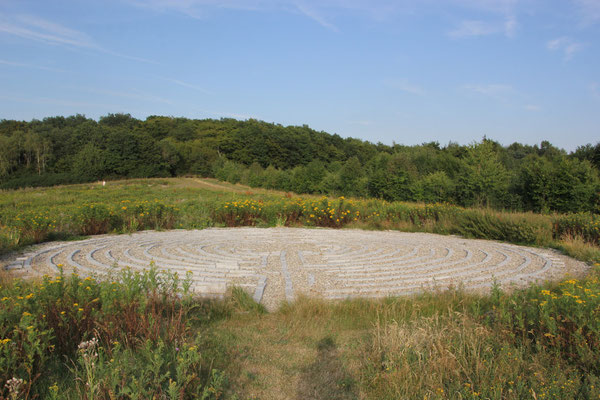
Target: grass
x=30, y=216
x=142, y=335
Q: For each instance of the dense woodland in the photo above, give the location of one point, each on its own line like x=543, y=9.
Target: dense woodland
x=75, y=149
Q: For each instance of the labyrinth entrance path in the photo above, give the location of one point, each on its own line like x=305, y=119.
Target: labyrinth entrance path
x=279, y=264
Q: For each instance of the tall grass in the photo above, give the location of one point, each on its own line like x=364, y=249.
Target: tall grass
x=35, y=215
x=142, y=335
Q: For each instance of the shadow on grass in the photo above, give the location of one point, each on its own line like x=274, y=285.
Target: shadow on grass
x=326, y=377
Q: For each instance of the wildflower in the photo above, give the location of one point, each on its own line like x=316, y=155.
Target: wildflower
x=53, y=388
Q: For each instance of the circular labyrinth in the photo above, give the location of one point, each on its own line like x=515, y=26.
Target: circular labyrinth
x=279, y=264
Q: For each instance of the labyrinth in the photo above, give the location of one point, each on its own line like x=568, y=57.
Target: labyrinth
x=280, y=264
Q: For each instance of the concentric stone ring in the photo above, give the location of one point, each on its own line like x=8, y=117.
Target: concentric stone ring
x=279, y=264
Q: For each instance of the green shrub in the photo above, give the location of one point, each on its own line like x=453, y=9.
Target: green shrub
x=488, y=225
x=125, y=337
x=584, y=225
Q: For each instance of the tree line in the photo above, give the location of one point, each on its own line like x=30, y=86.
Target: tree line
x=541, y=178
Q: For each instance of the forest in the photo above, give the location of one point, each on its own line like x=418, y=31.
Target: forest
x=518, y=177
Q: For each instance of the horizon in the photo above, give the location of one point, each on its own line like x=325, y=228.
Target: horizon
x=408, y=72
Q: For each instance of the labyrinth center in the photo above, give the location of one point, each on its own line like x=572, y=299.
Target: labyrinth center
x=279, y=264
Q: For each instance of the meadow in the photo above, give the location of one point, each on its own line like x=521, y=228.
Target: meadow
x=29, y=216
x=142, y=335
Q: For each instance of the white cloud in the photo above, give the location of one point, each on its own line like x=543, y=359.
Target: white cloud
x=491, y=6
x=24, y=65
x=595, y=89
x=510, y=26
x=324, y=11
x=566, y=45
x=471, y=28
x=187, y=85
x=589, y=10
x=225, y=114
x=313, y=14
x=33, y=28
x=556, y=43
x=496, y=91
x=40, y=30
x=405, y=86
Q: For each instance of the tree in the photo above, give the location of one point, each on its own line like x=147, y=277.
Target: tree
x=90, y=163
x=483, y=180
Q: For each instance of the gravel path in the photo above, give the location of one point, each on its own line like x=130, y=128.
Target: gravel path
x=278, y=264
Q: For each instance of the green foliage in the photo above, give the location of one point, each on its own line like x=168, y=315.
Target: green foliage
x=483, y=179
x=564, y=320
x=128, y=338
x=519, y=177
x=584, y=225
x=490, y=225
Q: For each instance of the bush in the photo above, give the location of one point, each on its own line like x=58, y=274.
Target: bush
x=488, y=225
x=584, y=225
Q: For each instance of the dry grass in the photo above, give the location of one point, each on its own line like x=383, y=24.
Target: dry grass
x=5, y=277
x=446, y=348
x=577, y=247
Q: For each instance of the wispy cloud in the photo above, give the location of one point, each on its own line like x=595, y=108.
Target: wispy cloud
x=510, y=26
x=473, y=28
x=187, y=85
x=494, y=90
x=132, y=94
x=405, y=86
x=224, y=114
x=25, y=65
x=490, y=6
x=532, y=107
x=589, y=11
x=595, y=89
x=314, y=14
x=33, y=28
x=37, y=29
x=566, y=45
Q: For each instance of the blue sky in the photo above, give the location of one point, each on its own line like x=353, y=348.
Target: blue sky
x=387, y=71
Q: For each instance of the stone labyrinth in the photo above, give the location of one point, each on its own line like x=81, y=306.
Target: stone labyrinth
x=280, y=264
